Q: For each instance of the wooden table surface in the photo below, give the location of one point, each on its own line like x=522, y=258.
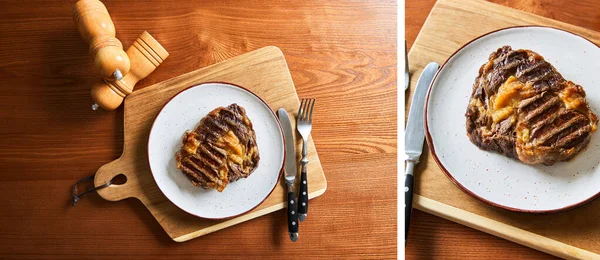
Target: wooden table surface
x=341, y=52
x=432, y=237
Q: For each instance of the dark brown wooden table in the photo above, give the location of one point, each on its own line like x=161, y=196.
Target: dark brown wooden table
x=432, y=237
x=341, y=52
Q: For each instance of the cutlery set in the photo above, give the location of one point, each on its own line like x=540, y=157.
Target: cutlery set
x=297, y=209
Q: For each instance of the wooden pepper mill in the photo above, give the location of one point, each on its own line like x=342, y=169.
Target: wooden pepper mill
x=146, y=54
x=120, y=70
x=97, y=29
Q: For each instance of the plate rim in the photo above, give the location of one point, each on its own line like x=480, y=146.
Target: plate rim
x=233, y=85
x=429, y=140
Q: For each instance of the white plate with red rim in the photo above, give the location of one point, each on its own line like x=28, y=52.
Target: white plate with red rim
x=183, y=112
x=494, y=178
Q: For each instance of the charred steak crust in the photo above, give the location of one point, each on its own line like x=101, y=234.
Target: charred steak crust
x=523, y=108
x=222, y=149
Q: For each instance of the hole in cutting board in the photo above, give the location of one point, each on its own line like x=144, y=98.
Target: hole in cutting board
x=119, y=179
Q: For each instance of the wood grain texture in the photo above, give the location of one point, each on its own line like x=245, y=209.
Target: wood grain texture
x=265, y=73
x=341, y=52
x=570, y=227
x=435, y=234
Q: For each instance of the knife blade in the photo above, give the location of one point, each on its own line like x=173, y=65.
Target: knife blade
x=290, y=170
x=414, y=136
x=415, y=126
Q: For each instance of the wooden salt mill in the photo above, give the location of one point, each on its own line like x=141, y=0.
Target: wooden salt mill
x=97, y=29
x=146, y=54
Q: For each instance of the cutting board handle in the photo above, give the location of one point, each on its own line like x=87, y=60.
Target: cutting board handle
x=115, y=192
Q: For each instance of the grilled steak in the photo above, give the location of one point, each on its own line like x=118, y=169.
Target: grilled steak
x=523, y=108
x=221, y=149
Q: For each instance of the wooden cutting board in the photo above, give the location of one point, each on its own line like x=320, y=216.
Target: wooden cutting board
x=263, y=72
x=570, y=234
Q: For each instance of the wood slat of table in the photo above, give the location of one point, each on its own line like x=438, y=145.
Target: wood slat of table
x=342, y=53
x=439, y=238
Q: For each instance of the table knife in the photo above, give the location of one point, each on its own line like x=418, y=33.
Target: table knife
x=414, y=137
x=290, y=173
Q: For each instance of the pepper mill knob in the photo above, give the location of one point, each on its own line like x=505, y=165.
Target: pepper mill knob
x=97, y=29
x=146, y=55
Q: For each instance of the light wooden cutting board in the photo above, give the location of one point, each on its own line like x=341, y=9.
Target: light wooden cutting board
x=264, y=72
x=570, y=234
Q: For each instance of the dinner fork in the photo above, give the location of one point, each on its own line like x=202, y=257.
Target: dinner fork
x=304, y=125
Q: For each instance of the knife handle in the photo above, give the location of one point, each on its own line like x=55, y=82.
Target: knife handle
x=303, y=194
x=292, y=214
x=408, y=196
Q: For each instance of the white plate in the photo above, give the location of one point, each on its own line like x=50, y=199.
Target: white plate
x=183, y=112
x=491, y=177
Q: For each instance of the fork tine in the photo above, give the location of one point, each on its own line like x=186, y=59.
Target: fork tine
x=311, y=109
x=305, y=109
x=300, y=109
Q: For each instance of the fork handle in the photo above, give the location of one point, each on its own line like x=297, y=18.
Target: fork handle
x=303, y=193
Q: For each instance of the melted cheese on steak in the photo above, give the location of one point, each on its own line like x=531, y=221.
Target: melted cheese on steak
x=220, y=150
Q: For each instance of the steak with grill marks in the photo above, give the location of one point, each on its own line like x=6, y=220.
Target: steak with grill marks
x=222, y=149
x=523, y=108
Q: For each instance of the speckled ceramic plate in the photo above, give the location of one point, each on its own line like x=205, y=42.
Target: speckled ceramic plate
x=183, y=112
x=491, y=177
